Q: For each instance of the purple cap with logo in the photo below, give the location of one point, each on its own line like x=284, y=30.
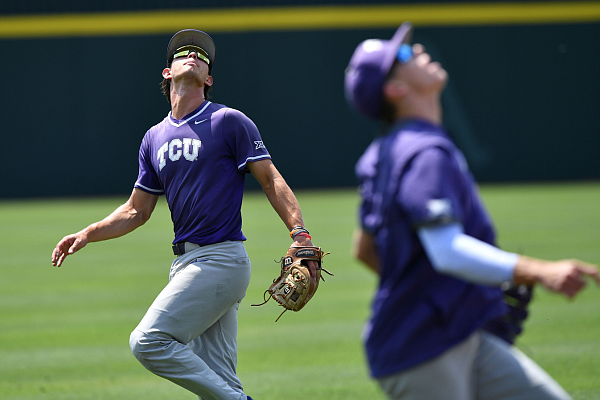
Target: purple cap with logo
x=369, y=66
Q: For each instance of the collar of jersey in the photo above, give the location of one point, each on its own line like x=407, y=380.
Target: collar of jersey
x=178, y=123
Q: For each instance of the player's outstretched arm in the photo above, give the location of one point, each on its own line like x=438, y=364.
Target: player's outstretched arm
x=565, y=276
x=134, y=213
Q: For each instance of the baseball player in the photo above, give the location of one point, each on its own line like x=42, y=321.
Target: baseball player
x=197, y=157
x=426, y=233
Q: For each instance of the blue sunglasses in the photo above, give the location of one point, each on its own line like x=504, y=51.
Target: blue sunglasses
x=405, y=53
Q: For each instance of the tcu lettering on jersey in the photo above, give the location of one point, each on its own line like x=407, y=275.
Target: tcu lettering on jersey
x=188, y=147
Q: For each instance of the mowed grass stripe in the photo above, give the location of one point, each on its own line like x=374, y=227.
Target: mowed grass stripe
x=64, y=332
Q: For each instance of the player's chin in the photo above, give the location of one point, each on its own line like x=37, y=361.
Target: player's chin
x=441, y=77
x=435, y=68
x=445, y=78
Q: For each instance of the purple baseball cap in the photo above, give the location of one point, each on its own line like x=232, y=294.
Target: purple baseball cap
x=195, y=38
x=369, y=66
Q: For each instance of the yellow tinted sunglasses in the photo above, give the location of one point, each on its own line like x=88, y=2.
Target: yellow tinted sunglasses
x=186, y=50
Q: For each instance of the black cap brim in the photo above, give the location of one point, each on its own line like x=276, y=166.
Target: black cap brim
x=195, y=38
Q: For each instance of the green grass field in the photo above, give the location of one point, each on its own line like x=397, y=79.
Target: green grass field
x=64, y=332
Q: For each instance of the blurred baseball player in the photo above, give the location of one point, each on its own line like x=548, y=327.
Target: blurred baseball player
x=197, y=157
x=433, y=332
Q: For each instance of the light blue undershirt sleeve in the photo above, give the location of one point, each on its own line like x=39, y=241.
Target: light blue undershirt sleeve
x=454, y=253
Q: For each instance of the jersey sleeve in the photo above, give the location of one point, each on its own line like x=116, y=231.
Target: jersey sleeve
x=430, y=191
x=147, y=178
x=244, y=139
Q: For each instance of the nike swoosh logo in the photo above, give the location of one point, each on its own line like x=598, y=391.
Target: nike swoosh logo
x=199, y=122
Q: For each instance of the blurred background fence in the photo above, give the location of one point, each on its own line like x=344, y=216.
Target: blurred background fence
x=81, y=85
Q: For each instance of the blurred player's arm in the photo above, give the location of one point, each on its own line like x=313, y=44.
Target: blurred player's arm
x=452, y=252
x=365, y=250
x=129, y=216
x=280, y=196
x=563, y=276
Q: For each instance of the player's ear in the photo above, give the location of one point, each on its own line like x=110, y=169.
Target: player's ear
x=395, y=89
x=208, y=81
x=166, y=73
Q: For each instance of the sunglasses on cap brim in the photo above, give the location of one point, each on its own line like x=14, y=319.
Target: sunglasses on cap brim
x=187, y=50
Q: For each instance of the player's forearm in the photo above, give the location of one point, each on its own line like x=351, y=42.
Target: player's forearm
x=564, y=276
x=551, y=274
x=528, y=270
x=122, y=221
x=284, y=202
x=454, y=253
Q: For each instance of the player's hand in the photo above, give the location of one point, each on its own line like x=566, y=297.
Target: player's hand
x=303, y=241
x=567, y=276
x=67, y=246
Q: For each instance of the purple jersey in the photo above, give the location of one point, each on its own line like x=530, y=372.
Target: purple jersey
x=414, y=176
x=199, y=163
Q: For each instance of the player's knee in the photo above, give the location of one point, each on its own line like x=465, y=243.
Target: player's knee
x=148, y=347
x=136, y=343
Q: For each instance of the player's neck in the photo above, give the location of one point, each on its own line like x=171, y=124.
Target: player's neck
x=185, y=101
x=425, y=108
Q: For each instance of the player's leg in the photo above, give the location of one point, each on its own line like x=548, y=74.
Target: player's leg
x=217, y=347
x=205, y=285
x=448, y=376
x=504, y=372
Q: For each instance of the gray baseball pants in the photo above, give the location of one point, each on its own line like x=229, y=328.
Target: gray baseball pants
x=189, y=334
x=483, y=367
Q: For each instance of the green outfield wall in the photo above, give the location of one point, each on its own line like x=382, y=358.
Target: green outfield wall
x=81, y=86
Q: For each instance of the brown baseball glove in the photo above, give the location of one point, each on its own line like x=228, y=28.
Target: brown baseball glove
x=298, y=280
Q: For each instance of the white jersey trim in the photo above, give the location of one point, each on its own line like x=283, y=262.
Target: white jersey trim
x=251, y=159
x=149, y=189
x=187, y=119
